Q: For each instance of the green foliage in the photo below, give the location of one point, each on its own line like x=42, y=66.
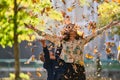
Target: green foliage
x=23, y=76
x=29, y=11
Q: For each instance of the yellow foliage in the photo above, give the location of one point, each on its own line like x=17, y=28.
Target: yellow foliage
x=22, y=75
x=27, y=37
x=55, y=15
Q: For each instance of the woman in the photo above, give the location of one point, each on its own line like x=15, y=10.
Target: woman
x=73, y=46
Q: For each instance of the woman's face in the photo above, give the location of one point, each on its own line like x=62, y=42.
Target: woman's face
x=70, y=33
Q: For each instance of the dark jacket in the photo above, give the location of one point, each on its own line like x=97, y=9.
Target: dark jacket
x=55, y=68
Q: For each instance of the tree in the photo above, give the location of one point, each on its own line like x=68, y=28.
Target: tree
x=13, y=15
x=109, y=11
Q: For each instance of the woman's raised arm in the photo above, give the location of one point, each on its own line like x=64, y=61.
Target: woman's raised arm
x=100, y=31
x=52, y=38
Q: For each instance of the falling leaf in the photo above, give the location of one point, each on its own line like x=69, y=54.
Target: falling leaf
x=64, y=1
x=70, y=9
x=95, y=51
x=118, y=48
x=63, y=13
x=81, y=63
x=29, y=74
x=47, y=9
x=67, y=20
x=38, y=74
x=88, y=56
x=108, y=50
x=33, y=58
x=92, y=25
x=83, y=16
x=80, y=33
x=42, y=11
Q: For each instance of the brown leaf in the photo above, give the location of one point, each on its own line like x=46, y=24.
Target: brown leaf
x=83, y=16
x=38, y=74
x=42, y=11
x=95, y=51
x=108, y=50
x=67, y=20
x=47, y=9
x=64, y=1
x=70, y=9
x=63, y=13
x=35, y=1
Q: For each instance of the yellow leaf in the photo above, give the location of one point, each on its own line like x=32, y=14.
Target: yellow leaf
x=118, y=48
x=81, y=63
x=88, y=56
x=38, y=74
x=80, y=33
x=70, y=9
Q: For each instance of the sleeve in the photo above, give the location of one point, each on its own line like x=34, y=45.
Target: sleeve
x=46, y=54
x=98, y=32
x=53, y=38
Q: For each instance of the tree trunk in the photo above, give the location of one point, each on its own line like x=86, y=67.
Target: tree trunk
x=16, y=44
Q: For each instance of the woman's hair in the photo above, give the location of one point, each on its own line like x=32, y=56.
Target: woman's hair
x=66, y=34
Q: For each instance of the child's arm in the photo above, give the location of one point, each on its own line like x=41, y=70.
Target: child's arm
x=45, y=50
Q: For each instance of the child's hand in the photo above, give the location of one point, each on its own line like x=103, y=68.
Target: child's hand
x=43, y=42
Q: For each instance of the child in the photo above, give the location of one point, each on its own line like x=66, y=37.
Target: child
x=52, y=63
